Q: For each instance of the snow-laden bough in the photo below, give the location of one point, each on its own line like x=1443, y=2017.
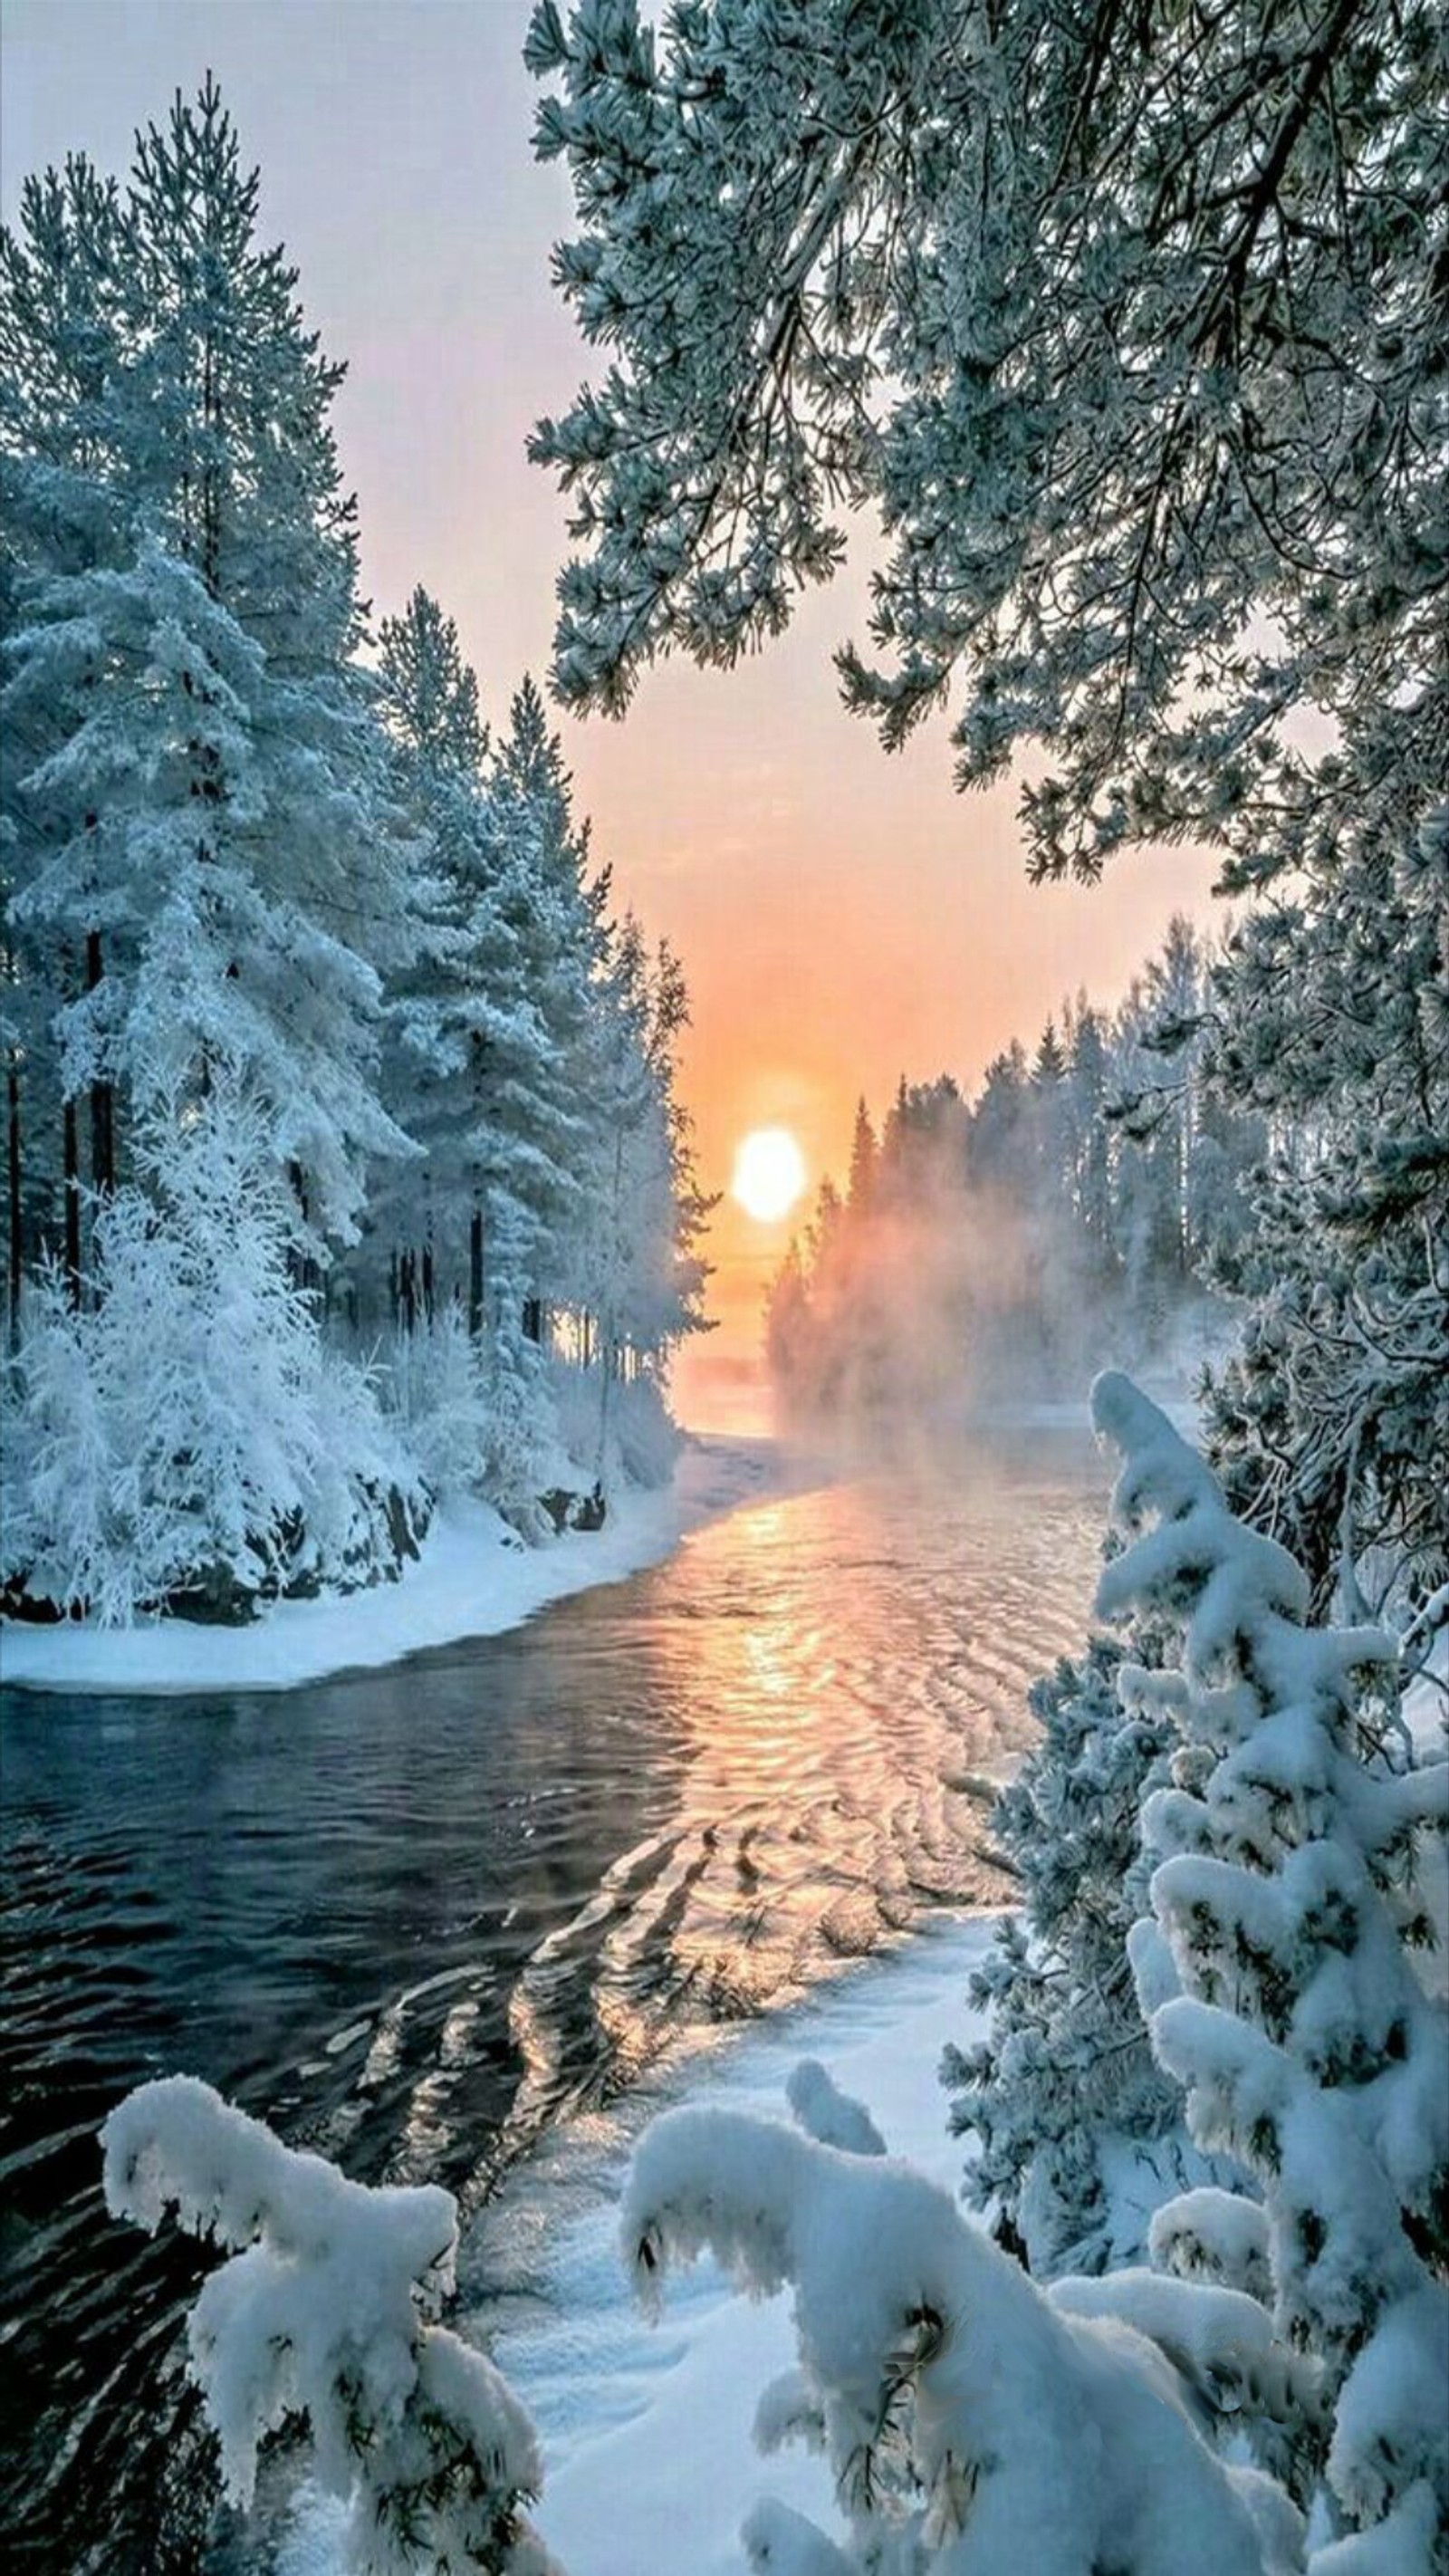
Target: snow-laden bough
x=326, y=2311
x=971, y=2425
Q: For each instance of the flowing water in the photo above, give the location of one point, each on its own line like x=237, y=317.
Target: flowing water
x=417, y=1918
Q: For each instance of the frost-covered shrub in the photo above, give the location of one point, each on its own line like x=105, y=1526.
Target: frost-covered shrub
x=617, y=1431
x=971, y=2425
x=436, y=1390
x=186, y=1431
x=325, y=2314
x=521, y=1454
x=648, y=1438
x=1276, y=1973
x=1076, y=2131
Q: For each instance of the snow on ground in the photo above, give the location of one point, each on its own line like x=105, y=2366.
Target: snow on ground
x=649, y=2463
x=474, y=1578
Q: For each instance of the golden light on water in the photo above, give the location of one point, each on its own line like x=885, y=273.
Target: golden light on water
x=769, y=1174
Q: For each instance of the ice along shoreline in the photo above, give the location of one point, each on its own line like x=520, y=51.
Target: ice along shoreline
x=473, y=1579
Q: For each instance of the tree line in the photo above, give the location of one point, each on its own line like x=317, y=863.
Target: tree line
x=999, y=1245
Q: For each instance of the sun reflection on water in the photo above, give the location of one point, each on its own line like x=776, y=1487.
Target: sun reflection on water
x=832, y=1667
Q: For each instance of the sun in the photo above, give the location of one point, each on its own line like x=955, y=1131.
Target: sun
x=769, y=1174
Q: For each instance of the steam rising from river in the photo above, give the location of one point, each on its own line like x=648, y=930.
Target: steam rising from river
x=925, y=1320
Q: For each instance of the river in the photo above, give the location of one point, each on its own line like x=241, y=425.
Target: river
x=416, y=1918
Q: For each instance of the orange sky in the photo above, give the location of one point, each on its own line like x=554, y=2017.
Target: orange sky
x=843, y=917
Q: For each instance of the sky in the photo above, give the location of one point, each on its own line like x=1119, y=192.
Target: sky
x=843, y=916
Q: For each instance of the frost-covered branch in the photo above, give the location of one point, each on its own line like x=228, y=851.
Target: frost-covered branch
x=326, y=2312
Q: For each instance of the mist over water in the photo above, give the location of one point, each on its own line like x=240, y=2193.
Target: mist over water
x=911, y=1330
x=423, y=1919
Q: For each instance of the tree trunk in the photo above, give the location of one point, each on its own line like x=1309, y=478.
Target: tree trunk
x=70, y=1166
x=428, y=1282
x=103, y=1108
x=475, y=1275
x=305, y=1272
x=12, y=1152
x=608, y=1350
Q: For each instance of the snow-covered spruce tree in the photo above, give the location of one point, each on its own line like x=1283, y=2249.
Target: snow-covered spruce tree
x=971, y=2422
x=221, y=957
x=536, y=934
x=1281, y=1993
x=209, y=802
x=325, y=2314
x=532, y=1054
x=425, y=1215
x=185, y=1435
x=556, y=912
x=1075, y=2132
x=65, y=316
x=635, y=1279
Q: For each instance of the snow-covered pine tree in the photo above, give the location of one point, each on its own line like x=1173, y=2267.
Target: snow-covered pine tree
x=1092, y=1180
x=1277, y=1974
x=215, y=795
x=66, y=323
x=1331, y=1426
x=426, y=1215
x=1095, y=314
x=678, y=1295
x=635, y=1277
x=532, y=1055
x=557, y=912
x=185, y=1438
x=539, y=934
x=325, y=2315
x=1075, y=2132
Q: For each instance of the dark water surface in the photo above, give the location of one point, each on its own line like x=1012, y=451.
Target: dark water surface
x=416, y=1917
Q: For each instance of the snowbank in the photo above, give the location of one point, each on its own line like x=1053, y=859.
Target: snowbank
x=473, y=1579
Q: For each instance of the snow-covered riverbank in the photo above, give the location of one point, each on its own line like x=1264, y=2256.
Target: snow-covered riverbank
x=649, y=2459
x=473, y=1579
